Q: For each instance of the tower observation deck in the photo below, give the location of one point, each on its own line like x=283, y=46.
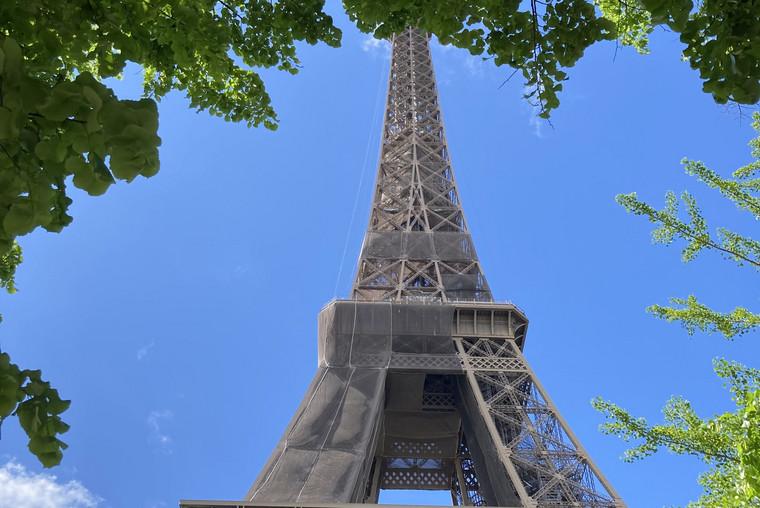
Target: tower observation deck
x=421, y=380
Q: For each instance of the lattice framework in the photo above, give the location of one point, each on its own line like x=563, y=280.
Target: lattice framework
x=546, y=462
x=416, y=193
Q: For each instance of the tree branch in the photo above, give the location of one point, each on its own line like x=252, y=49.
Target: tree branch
x=709, y=243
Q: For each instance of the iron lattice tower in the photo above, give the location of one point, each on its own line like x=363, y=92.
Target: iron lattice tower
x=422, y=383
x=417, y=245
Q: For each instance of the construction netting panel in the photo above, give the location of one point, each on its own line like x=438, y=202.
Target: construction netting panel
x=424, y=245
x=328, y=448
x=384, y=245
x=366, y=334
x=419, y=245
x=325, y=453
x=422, y=329
x=461, y=282
x=355, y=334
x=454, y=246
x=427, y=426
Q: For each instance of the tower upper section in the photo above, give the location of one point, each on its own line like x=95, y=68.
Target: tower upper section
x=417, y=246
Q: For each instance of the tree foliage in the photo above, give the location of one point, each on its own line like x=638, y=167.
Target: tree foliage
x=633, y=23
x=721, y=39
x=743, y=189
x=729, y=443
x=23, y=393
x=542, y=39
x=697, y=316
x=8, y=264
x=59, y=124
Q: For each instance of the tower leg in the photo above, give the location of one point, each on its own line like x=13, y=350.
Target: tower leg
x=544, y=461
x=326, y=453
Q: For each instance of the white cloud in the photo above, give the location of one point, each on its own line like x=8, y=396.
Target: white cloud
x=143, y=351
x=240, y=270
x=436, y=45
x=474, y=65
x=21, y=488
x=374, y=46
x=157, y=435
x=537, y=123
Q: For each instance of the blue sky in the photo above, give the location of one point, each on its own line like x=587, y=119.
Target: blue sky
x=179, y=313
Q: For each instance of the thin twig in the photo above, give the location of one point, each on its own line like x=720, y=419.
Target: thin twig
x=232, y=10
x=534, y=17
x=13, y=161
x=506, y=80
x=685, y=231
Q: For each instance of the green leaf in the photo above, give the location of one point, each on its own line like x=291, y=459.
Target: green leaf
x=8, y=125
x=11, y=62
x=696, y=316
x=93, y=98
x=20, y=218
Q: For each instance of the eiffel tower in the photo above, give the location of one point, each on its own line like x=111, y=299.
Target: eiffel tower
x=422, y=383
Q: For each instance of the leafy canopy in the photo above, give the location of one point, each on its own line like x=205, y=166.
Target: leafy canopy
x=59, y=124
x=730, y=442
x=543, y=38
x=743, y=189
x=37, y=405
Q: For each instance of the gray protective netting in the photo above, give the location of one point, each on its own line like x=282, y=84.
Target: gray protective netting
x=324, y=451
x=365, y=334
x=461, y=282
x=328, y=448
x=421, y=245
x=385, y=245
